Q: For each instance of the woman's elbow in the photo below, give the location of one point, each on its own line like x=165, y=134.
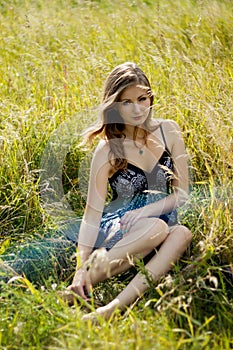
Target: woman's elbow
x=182, y=197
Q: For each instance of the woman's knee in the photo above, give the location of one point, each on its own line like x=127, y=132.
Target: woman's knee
x=157, y=230
x=184, y=233
x=187, y=234
x=161, y=226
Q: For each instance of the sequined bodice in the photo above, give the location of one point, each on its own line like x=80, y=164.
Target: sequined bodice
x=126, y=184
x=134, y=188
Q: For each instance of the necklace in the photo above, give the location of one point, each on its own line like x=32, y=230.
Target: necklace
x=140, y=139
x=140, y=149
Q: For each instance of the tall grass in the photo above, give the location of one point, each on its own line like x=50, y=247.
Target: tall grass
x=54, y=59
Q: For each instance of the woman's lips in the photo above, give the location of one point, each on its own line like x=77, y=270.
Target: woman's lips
x=138, y=117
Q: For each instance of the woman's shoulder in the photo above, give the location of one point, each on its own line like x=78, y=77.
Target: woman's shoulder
x=102, y=147
x=100, y=159
x=165, y=124
x=170, y=124
x=101, y=152
x=167, y=131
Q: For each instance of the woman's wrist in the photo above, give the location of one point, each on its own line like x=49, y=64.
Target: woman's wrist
x=83, y=253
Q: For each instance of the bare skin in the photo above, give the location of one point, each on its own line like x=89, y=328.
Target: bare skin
x=142, y=232
x=117, y=260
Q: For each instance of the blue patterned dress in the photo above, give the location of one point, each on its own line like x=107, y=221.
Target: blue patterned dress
x=132, y=188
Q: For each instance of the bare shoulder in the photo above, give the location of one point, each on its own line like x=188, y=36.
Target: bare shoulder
x=169, y=130
x=101, y=155
x=102, y=149
x=172, y=131
x=170, y=125
x=166, y=124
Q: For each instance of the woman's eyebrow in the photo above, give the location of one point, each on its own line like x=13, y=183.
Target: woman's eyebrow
x=128, y=99
x=145, y=94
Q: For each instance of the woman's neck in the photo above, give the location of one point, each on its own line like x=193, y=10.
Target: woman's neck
x=132, y=134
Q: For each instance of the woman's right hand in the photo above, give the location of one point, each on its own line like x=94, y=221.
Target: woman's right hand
x=81, y=283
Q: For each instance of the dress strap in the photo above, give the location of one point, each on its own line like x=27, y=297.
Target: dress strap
x=163, y=136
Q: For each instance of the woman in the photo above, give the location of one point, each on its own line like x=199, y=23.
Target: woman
x=145, y=163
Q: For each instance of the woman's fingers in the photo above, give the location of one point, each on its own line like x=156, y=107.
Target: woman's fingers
x=81, y=284
x=127, y=221
x=78, y=289
x=130, y=219
x=88, y=286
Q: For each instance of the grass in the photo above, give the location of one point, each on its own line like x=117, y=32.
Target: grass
x=54, y=59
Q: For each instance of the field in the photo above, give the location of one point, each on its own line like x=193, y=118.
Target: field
x=54, y=59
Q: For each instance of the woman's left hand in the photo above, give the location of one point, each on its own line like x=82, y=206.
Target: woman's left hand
x=129, y=219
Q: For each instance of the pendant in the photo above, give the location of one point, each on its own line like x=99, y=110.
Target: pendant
x=140, y=151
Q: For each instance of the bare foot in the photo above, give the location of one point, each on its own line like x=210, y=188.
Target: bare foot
x=104, y=312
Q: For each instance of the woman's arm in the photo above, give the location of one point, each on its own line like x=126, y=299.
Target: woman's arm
x=97, y=191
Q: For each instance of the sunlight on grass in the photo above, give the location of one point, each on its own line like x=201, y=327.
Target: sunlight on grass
x=54, y=59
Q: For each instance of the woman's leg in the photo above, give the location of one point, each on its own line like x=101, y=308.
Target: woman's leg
x=146, y=235
x=173, y=247
x=142, y=238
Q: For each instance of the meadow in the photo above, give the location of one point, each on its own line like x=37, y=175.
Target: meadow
x=54, y=59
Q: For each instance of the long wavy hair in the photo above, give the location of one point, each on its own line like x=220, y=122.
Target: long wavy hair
x=110, y=125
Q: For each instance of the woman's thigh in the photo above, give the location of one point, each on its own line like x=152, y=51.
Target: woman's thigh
x=148, y=228
x=145, y=235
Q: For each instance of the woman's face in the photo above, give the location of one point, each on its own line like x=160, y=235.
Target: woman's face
x=134, y=105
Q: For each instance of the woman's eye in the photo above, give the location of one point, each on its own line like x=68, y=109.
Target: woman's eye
x=125, y=103
x=142, y=98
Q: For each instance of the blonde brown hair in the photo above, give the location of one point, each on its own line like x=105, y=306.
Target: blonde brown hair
x=110, y=125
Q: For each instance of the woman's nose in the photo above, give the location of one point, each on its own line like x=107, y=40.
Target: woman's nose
x=136, y=107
